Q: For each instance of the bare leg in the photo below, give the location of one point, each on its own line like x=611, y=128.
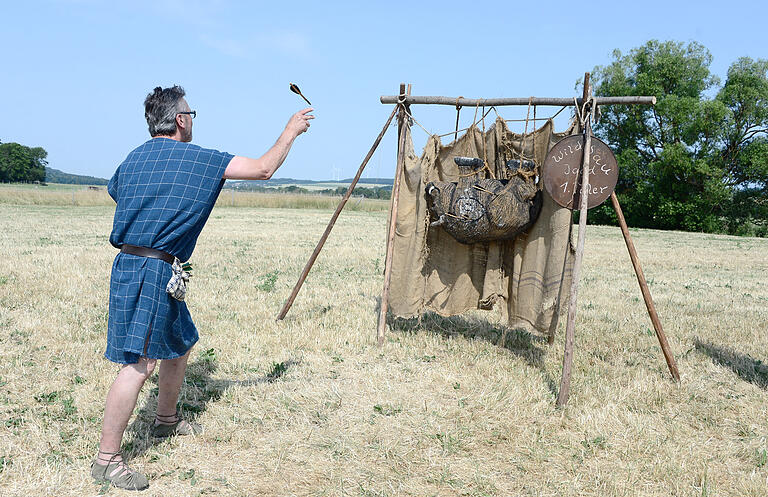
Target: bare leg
x=121, y=400
x=169, y=385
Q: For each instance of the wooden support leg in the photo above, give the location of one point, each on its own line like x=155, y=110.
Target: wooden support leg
x=646, y=292
x=565, y=380
x=335, y=216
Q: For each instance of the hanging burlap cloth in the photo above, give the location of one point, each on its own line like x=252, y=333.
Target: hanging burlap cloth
x=432, y=271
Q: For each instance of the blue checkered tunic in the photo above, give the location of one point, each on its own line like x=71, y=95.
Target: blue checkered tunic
x=165, y=191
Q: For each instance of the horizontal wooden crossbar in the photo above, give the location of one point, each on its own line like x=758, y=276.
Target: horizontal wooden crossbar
x=490, y=102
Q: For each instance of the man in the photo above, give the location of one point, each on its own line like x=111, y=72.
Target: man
x=165, y=191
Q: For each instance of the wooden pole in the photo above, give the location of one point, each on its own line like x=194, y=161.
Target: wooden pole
x=311, y=261
x=498, y=102
x=565, y=380
x=671, y=364
x=401, y=125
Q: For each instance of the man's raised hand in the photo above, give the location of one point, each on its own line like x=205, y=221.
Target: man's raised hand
x=299, y=122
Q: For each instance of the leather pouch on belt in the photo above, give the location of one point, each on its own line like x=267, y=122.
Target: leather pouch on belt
x=177, y=286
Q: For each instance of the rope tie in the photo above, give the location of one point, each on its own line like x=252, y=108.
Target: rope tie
x=593, y=111
x=577, y=110
x=413, y=119
x=467, y=128
x=558, y=112
x=525, y=132
x=470, y=174
x=584, y=115
x=485, y=156
x=458, y=111
x=535, y=162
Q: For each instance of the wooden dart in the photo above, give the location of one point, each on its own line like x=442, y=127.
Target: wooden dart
x=295, y=89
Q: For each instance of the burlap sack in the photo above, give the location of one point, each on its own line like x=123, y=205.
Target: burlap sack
x=432, y=271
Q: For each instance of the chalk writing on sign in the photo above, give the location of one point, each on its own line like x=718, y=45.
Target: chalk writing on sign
x=562, y=171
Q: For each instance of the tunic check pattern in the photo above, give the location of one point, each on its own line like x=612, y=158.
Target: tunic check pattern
x=165, y=191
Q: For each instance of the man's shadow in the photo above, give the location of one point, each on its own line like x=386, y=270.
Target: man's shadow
x=748, y=369
x=518, y=341
x=198, y=390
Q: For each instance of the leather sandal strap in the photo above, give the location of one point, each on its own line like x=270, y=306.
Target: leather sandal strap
x=113, y=465
x=174, y=415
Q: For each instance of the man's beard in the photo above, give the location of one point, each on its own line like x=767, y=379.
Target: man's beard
x=186, y=136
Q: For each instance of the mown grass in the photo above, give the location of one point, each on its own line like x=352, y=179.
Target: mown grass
x=448, y=406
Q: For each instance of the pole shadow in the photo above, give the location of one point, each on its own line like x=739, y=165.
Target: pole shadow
x=197, y=392
x=745, y=367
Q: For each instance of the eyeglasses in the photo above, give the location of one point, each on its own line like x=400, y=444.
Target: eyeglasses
x=191, y=113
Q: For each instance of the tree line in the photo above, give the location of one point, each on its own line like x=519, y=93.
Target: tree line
x=19, y=163
x=698, y=159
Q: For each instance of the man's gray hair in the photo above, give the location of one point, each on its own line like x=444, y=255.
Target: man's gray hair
x=160, y=109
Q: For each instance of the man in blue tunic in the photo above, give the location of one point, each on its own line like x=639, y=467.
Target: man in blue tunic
x=165, y=191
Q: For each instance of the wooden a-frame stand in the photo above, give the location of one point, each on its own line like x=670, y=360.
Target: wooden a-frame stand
x=403, y=102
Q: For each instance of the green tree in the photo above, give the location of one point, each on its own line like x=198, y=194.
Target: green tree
x=38, y=162
x=14, y=161
x=690, y=162
x=743, y=154
x=20, y=163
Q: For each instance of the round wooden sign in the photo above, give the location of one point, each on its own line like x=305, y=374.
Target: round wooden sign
x=561, y=172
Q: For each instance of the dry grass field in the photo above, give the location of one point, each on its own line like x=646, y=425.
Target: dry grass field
x=80, y=195
x=448, y=406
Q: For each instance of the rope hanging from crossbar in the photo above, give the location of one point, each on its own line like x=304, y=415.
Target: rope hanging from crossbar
x=410, y=116
x=534, y=137
x=493, y=108
x=483, y=115
x=485, y=155
x=458, y=111
x=525, y=132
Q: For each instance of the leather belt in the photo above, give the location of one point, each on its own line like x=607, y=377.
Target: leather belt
x=147, y=252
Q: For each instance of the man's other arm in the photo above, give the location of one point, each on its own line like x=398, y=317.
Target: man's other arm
x=266, y=165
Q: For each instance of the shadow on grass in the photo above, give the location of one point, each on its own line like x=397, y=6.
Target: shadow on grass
x=197, y=392
x=518, y=341
x=745, y=367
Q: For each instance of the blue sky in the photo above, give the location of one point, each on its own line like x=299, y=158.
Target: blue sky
x=75, y=72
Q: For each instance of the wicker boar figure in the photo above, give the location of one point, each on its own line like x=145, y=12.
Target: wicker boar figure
x=482, y=210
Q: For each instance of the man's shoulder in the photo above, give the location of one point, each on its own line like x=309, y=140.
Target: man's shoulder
x=201, y=154
x=166, y=148
x=198, y=148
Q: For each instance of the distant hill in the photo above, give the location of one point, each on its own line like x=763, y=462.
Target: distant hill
x=55, y=176
x=369, y=181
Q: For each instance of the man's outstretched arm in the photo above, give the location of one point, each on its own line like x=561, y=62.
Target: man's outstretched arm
x=266, y=165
